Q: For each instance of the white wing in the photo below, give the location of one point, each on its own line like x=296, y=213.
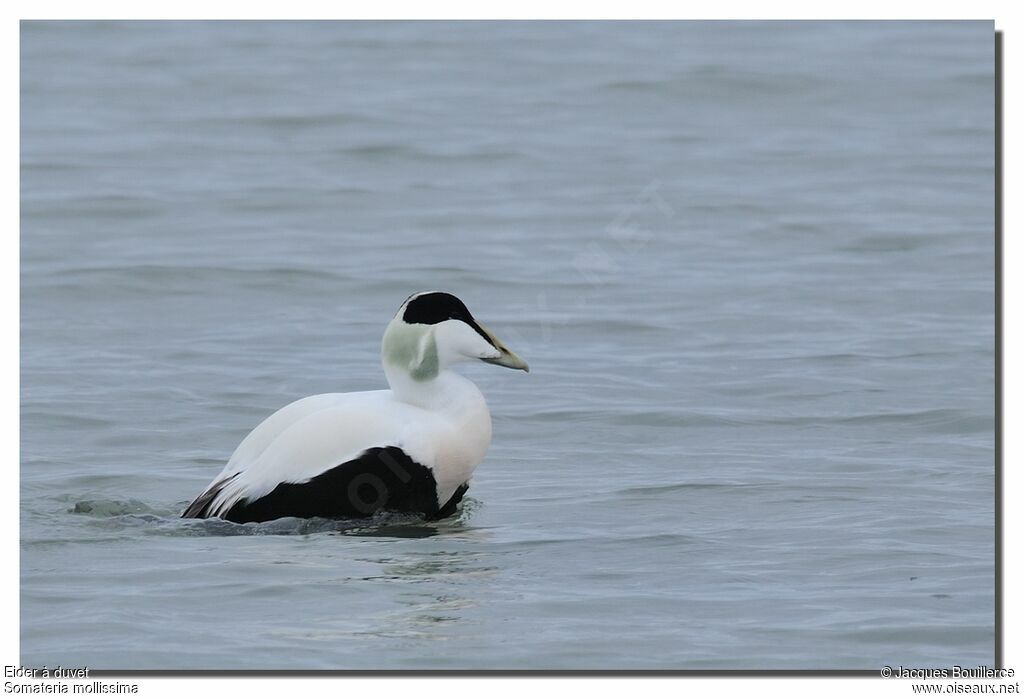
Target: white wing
x=314, y=434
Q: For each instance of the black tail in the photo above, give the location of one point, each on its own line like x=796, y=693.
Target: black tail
x=200, y=507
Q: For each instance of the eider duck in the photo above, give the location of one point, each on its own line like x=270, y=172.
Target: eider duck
x=409, y=449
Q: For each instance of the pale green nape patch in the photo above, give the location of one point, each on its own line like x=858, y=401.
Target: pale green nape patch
x=412, y=347
x=428, y=366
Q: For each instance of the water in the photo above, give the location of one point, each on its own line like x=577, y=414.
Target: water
x=751, y=266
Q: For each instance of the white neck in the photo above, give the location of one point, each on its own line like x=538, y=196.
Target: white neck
x=447, y=391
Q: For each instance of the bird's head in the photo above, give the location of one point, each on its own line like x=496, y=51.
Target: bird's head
x=434, y=329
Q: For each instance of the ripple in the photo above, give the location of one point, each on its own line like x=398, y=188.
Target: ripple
x=285, y=122
x=703, y=485
x=112, y=508
x=166, y=521
x=941, y=420
x=716, y=80
x=398, y=151
x=155, y=273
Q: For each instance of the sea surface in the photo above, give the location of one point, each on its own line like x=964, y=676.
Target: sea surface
x=750, y=265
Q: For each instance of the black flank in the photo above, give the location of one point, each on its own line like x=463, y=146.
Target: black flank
x=382, y=478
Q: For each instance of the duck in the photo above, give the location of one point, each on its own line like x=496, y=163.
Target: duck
x=410, y=448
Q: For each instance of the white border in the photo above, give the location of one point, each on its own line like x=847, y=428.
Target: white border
x=507, y=9
x=1006, y=20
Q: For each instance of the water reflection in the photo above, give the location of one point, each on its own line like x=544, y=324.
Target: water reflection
x=433, y=591
x=413, y=527
x=164, y=520
x=424, y=587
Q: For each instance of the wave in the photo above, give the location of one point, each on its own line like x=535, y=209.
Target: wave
x=725, y=81
x=166, y=521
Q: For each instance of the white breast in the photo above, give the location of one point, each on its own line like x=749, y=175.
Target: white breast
x=466, y=435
